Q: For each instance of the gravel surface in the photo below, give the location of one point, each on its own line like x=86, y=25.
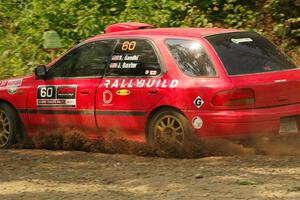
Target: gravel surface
x=43, y=174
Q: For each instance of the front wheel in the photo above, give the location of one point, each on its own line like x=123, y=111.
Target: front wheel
x=8, y=125
x=169, y=127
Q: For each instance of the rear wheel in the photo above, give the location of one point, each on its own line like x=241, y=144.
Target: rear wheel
x=8, y=125
x=169, y=126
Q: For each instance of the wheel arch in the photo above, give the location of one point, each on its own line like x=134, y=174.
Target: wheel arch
x=22, y=130
x=8, y=103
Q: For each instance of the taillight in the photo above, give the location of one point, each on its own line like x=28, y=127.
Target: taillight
x=236, y=97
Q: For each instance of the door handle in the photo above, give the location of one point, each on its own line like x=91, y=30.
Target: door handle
x=85, y=92
x=152, y=92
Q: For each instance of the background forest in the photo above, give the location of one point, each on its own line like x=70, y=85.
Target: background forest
x=22, y=23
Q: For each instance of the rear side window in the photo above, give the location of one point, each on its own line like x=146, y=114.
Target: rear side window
x=248, y=53
x=133, y=57
x=191, y=57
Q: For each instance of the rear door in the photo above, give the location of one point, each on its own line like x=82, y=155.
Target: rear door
x=132, y=85
x=66, y=97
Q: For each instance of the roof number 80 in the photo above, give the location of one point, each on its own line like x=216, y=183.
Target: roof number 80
x=128, y=45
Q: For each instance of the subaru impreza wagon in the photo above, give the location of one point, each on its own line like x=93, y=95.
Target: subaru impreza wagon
x=149, y=84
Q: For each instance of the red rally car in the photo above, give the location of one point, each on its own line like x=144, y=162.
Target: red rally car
x=149, y=84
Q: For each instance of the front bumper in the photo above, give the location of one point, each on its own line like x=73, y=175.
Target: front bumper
x=242, y=122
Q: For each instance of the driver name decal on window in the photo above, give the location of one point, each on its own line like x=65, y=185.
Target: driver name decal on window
x=133, y=58
x=56, y=96
x=126, y=60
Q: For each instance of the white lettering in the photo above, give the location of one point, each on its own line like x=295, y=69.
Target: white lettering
x=107, y=82
x=158, y=82
x=115, y=84
x=140, y=83
x=123, y=84
x=174, y=83
x=131, y=58
x=150, y=84
x=129, y=65
x=130, y=84
x=163, y=85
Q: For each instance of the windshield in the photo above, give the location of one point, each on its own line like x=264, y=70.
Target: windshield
x=248, y=53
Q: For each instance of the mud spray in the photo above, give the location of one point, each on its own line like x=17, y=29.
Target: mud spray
x=74, y=140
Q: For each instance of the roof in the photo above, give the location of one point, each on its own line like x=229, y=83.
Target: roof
x=188, y=32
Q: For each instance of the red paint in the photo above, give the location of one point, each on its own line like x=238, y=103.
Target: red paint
x=97, y=114
x=126, y=27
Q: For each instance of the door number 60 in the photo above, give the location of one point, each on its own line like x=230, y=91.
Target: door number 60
x=46, y=92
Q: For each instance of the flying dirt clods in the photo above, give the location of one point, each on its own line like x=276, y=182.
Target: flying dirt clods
x=75, y=140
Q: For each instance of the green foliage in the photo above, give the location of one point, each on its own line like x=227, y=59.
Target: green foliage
x=286, y=15
x=22, y=22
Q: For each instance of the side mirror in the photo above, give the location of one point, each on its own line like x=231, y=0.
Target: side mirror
x=40, y=71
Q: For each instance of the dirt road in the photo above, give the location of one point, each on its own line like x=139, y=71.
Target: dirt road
x=43, y=174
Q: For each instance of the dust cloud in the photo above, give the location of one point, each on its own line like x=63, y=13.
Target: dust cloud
x=74, y=140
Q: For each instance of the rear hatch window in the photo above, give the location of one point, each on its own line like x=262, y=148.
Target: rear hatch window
x=248, y=53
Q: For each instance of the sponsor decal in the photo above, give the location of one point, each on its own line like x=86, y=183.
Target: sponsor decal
x=141, y=83
x=107, y=97
x=3, y=83
x=14, y=83
x=123, y=92
x=153, y=72
x=66, y=92
x=12, y=90
x=198, y=102
x=56, y=96
x=197, y=122
x=241, y=40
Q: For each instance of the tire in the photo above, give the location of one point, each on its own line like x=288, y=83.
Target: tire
x=9, y=126
x=169, y=127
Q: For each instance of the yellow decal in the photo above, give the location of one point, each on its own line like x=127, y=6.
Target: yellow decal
x=123, y=92
x=128, y=45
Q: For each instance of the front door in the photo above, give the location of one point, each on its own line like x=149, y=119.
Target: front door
x=65, y=98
